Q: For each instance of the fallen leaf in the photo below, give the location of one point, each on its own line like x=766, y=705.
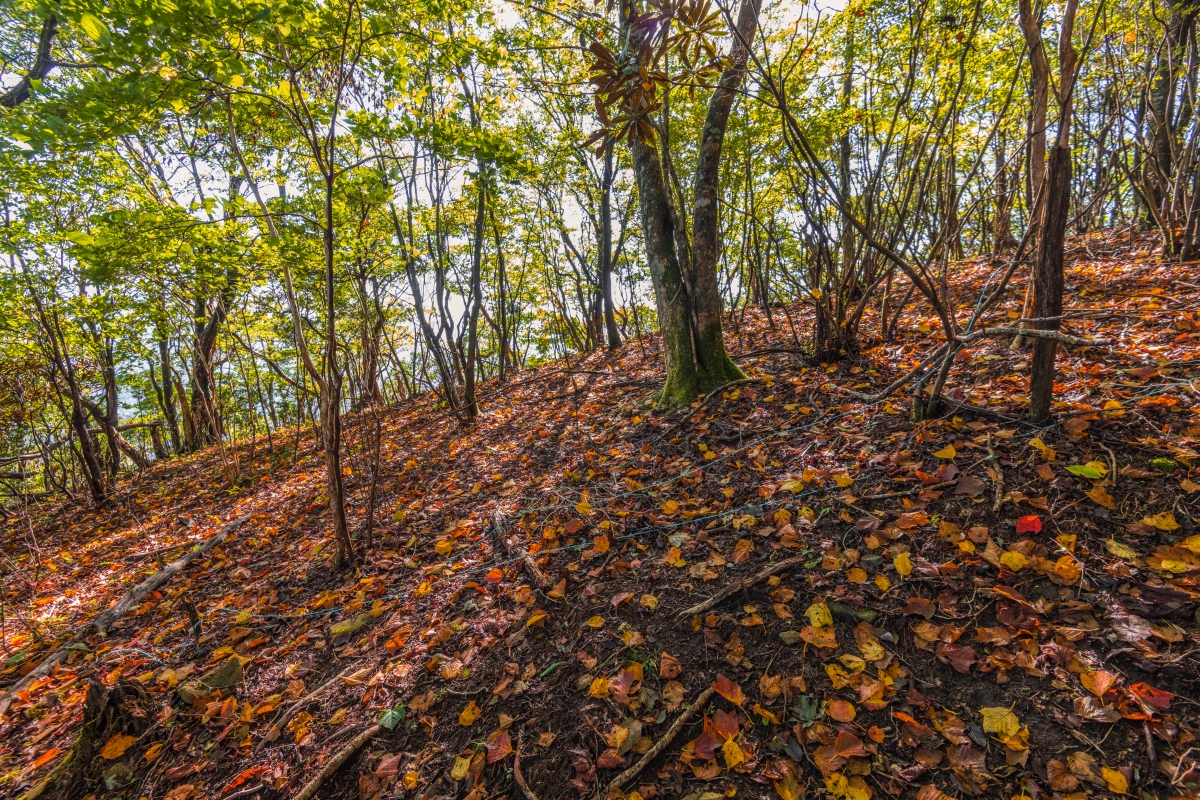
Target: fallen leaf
x=1029, y=524
x=115, y=747
x=729, y=690
x=469, y=714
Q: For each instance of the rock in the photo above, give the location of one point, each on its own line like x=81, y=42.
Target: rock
x=227, y=675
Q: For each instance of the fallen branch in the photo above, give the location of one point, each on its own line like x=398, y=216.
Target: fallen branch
x=907, y=492
x=335, y=763
x=661, y=745
x=744, y=583
x=517, y=776
x=999, y=481
x=102, y=623
x=1058, y=336
x=502, y=545
x=896, y=384
x=285, y=714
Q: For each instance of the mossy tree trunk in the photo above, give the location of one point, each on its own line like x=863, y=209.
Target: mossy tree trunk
x=687, y=295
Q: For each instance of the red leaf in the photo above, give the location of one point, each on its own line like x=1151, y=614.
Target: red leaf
x=1029, y=524
x=499, y=747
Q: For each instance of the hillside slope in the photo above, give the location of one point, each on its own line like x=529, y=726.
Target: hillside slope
x=969, y=605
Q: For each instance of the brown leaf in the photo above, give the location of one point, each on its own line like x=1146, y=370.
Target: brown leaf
x=669, y=666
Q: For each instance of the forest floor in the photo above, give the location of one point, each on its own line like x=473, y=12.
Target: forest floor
x=969, y=605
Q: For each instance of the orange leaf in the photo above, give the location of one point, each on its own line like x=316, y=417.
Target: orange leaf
x=115, y=747
x=729, y=690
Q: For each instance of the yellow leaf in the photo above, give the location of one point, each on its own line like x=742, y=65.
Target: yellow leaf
x=733, y=754
x=536, y=618
x=1164, y=521
x=424, y=589
x=946, y=452
x=819, y=616
x=153, y=752
x=338, y=717
x=903, y=564
x=583, y=508
x=1122, y=550
x=856, y=575
x=116, y=746
x=600, y=688
x=461, y=765
x=1189, y=485
x=649, y=602
x=1014, y=561
x=469, y=714
x=596, y=622
x=1001, y=722
x=882, y=582
x=843, y=479
x=670, y=507
x=1117, y=784
x=1101, y=497
x=1192, y=543
x=443, y=548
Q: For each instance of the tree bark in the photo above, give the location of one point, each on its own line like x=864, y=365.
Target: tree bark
x=470, y=403
x=1047, y=278
x=606, y=249
x=686, y=293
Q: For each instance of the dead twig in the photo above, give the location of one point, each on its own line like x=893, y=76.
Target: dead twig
x=285, y=714
x=999, y=480
x=312, y=787
x=517, y=776
x=512, y=552
x=907, y=492
x=744, y=583
x=1058, y=336
x=661, y=745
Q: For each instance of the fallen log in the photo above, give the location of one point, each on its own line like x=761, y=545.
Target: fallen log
x=102, y=623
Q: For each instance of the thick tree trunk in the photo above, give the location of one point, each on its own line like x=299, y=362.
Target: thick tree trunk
x=1048, y=282
x=687, y=296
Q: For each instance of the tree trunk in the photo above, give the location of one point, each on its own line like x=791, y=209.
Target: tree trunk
x=168, y=395
x=610, y=319
x=1002, y=235
x=331, y=398
x=205, y=425
x=1047, y=278
x=470, y=403
x=1048, y=282
x=688, y=297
